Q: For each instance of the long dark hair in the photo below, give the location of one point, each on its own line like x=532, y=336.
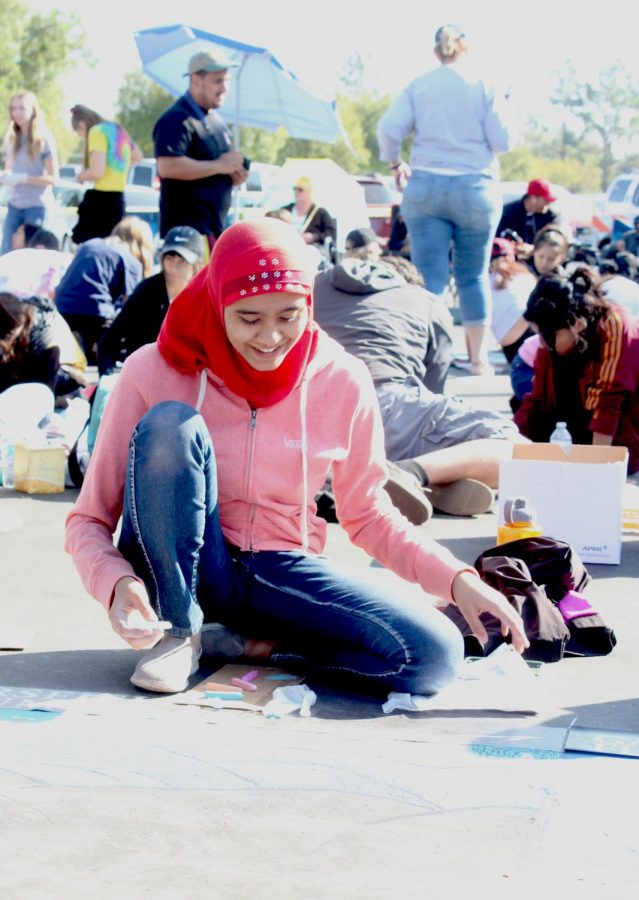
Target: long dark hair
x=88, y=117
x=16, y=322
x=558, y=301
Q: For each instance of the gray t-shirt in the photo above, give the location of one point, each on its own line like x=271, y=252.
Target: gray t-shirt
x=23, y=196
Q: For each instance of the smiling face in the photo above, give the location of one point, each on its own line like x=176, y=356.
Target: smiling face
x=263, y=331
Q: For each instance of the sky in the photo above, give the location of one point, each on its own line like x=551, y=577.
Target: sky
x=520, y=46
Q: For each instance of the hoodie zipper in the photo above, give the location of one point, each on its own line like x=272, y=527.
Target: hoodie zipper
x=249, y=474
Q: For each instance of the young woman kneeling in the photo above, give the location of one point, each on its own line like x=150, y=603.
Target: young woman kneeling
x=213, y=445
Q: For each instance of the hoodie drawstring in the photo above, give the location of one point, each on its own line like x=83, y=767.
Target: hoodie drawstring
x=304, y=513
x=202, y=391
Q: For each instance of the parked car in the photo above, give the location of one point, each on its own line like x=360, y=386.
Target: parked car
x=621, y=204
x=260, y=177
x=62, y=215
x=69, y=171
x=380, y=196
x=145, y=174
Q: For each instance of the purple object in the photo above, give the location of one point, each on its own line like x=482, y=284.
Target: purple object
x=575, y=605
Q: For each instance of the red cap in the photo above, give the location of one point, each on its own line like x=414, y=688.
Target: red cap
x=539, y=187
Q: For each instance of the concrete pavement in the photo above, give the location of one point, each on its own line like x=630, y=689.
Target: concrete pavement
x=149, y=799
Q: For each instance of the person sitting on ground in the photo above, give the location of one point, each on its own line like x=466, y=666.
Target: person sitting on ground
x=630, y=238
x=42, y=239
x=619, y=282
x=36, y=345
x=550, y=251
x=438, y=441
x=227, y=412
x=587, y=369
x=510, y=284
x=103, y=272
x=314, y=223
x=439, y=353
x=36, y=270
x=529, y=214
x=140, y=319
x=522, y=370
x=362, y=243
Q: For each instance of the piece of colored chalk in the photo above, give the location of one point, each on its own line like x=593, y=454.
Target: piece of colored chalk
x=250, y=676
x=244, y=684
x=223, y=695
x=217, y=686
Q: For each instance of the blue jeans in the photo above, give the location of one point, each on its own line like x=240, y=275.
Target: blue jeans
x=31, y=215
x=324, y=621
x=521, y=377
x=464, y=209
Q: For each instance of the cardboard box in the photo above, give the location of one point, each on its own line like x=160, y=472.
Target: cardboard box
x=39, y=470
x=577, y=496
x=630, y=521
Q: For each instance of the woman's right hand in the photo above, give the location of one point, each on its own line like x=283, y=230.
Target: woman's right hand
x=130, y=596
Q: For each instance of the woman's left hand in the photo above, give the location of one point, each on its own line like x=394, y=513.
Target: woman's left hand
x=473, y=598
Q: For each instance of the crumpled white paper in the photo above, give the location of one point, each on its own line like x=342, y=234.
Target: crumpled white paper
x=501, y=681
x=287, y=699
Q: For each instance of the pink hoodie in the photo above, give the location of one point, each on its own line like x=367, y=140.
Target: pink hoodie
x=271, y=463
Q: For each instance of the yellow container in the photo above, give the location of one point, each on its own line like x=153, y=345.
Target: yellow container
x=519, y=521
x=514, y=532
x=39, y=470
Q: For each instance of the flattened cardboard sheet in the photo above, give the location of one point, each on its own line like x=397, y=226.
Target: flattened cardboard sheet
x=267, y=680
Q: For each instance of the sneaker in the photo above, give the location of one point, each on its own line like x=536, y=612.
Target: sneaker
x=167, y=666
x=408, y=495
x=466, y=497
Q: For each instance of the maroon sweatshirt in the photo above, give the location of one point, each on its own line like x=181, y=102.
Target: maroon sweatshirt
x=608, y=388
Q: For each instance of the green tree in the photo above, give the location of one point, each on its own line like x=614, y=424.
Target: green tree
x=606, y=108
x=140, y=104
x=37, y=49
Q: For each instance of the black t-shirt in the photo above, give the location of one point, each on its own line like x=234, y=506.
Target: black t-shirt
x=204, y=203
x=515, y=217
x=138, y=323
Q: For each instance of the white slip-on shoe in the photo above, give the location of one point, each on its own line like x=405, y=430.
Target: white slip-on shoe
x=167, y=666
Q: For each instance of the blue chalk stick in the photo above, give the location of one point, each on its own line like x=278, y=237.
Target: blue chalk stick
x=223, y=695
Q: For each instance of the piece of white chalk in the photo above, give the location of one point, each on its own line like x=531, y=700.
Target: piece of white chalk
x=139, y=623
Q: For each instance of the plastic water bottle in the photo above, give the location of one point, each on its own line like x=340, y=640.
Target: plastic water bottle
x=7, y=450
x=561, y=436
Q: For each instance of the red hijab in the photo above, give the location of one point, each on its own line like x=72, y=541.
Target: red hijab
x=252, y=258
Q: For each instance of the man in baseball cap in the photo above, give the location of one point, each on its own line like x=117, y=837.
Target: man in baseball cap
x=197, y=164
x=209, y=62
x=524, y=217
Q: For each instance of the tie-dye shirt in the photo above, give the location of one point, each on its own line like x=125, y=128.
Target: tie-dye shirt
x=111, y=139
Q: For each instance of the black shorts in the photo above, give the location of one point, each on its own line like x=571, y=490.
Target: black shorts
x=98, y=214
